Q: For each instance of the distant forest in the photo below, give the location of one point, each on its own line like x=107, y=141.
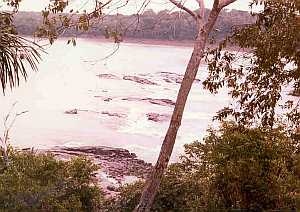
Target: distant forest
x=163, y=25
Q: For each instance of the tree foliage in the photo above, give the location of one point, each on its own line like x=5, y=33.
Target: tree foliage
x=234, y=168
x=56, y=20
x=164, y=25
x=17, y=54
x=260, y=79
x=39, y=182
x=248, y=168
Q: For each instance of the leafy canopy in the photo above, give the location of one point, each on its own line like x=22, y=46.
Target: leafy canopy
x=39, y=182
x=234, y=168
x=259, y=78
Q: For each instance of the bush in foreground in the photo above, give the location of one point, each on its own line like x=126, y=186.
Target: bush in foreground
x=234, y=168
x=39, y=182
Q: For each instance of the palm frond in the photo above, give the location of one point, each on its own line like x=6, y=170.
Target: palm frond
x=17, y=55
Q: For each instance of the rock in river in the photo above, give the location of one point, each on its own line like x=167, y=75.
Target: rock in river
x=157, y=117
x=108, y=76
x=119, y=115
x=73, y=111
x=139, y=80
x=161, y=102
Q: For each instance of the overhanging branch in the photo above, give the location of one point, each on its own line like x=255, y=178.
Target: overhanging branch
x=224, y=3
x=181, y=6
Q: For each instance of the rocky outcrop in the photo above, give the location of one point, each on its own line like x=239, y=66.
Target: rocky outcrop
x=170, y=77
x=143, y=79
x=105, y=99
x=72, y=112
x=139, y=80
x=162, y=102
x=113, y=114
x=155, y=117
x=108, y=76
x=108, y=99
x=116, y=163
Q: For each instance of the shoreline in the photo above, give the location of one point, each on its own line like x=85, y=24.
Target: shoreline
x=117, y=166
x=156, y=42
x=150, y=42
x=143, y=41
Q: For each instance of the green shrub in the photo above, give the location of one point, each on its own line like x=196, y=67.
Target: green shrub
x=39, y=182
x=248, y=168
x=234, y=168
x=179, y=191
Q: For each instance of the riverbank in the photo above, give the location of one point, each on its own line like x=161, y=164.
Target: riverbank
x=117, y=166
x=168, y=43
x=154, y=42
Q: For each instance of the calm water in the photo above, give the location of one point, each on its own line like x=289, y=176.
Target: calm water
x=68, y=79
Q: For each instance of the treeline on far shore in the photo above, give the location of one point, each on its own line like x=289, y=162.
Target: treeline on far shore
x=163, y=25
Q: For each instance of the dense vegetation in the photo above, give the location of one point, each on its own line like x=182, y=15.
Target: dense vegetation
x=272, y=68
x=233, y=168
x=149, y=25
x=238, y=166
x=39, y=182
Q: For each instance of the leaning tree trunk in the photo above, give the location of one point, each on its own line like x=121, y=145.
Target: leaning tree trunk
x=154, y=179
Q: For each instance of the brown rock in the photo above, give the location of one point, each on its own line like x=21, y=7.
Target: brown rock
x=108, y=76
x=162, y=102
x=170, y=77
x=107, y=99
x=73, y=111
x=119, y=115
x=157, y=117
x=116, y=162
x=139, y=80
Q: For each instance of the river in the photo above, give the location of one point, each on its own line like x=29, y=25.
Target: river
x=110, y=112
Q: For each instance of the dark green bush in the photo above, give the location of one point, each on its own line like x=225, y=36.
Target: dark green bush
x=234, y=168
x=39, y=182
x=249, y=168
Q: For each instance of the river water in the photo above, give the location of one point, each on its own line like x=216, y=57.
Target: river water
x=67, y=79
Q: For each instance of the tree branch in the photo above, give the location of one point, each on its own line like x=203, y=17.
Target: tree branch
x=212, y=17
x=181, y=6
x=201, y=8
x=224, y=3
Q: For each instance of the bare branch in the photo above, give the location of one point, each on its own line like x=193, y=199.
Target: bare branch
x=201, y=8
x=224, y=3
x=99, y=7
x=8, y=124
x=181, y=6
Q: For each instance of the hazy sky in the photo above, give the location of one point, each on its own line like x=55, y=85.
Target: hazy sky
x=38, y=5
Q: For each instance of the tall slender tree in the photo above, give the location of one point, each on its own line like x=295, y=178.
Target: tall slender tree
x=257, y=87
x=204, y=29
